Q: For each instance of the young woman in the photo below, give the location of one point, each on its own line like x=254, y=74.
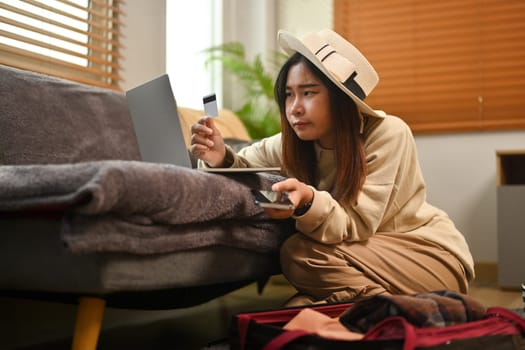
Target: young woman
x=363, y=224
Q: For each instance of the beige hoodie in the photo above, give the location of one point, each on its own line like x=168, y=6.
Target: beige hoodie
x=393, y=198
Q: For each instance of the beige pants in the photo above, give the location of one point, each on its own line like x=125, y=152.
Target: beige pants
x=395, y=263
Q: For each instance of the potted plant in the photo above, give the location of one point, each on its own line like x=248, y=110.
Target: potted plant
x=258, y=111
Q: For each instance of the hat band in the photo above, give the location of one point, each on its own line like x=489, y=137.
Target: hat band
x=353, y=86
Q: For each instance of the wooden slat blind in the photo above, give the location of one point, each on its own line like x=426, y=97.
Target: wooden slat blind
x=444, y=65
x=73, y=39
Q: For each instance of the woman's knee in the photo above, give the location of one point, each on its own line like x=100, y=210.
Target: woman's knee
x=293, y=252
x=321, y=271
x=305, y=261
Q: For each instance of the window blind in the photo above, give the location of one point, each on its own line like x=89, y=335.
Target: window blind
x=73, y=39
x=443, y=65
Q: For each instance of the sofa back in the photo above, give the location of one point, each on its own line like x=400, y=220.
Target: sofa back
x=47, y=120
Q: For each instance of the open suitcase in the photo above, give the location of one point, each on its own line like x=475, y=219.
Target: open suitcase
x=500, y=328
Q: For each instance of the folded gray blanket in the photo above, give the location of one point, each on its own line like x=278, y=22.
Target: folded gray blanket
x=139, y=207
x=106, y=233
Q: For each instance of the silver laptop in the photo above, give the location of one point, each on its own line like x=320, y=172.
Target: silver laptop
x=156, y=121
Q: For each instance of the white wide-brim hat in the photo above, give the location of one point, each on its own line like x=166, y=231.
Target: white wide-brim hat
x=339, y=60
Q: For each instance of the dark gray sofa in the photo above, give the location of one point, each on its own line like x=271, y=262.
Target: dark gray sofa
x=82, y=218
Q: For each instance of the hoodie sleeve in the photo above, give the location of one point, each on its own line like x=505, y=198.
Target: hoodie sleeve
x=265, y=153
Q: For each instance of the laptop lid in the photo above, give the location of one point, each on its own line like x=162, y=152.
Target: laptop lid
x=156, y=122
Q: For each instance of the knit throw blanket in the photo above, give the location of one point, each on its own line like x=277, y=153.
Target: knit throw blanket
x=432, y=309
x=144, y=208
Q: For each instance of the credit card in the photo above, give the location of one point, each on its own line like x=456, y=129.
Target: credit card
x=210, y=105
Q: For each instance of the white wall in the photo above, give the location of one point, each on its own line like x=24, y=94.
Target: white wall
x=304, y=16
x=144, y=41
x=460, y=169
x=460, y=172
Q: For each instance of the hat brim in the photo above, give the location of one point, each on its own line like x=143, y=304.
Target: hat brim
x=290, y=44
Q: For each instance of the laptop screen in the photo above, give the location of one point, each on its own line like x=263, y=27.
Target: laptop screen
x=156, y=121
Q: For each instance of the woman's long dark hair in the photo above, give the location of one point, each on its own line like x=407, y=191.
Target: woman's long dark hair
x=299, y=158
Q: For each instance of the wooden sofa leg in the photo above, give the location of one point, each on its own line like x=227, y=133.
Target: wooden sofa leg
x=88, y=323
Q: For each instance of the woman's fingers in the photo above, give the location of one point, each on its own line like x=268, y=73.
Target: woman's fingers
x=298, y=192
x=199, y=139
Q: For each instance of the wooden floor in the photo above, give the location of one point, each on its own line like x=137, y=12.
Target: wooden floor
x=196, y=327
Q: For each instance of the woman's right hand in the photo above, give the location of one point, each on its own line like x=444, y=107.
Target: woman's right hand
x=207, y=143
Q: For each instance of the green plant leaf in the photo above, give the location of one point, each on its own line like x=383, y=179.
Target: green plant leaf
x=259, y=111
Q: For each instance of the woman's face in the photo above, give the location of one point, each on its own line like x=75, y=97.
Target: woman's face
x=308, y=106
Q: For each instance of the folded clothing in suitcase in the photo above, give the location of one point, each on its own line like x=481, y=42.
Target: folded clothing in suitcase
x=436, y=320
